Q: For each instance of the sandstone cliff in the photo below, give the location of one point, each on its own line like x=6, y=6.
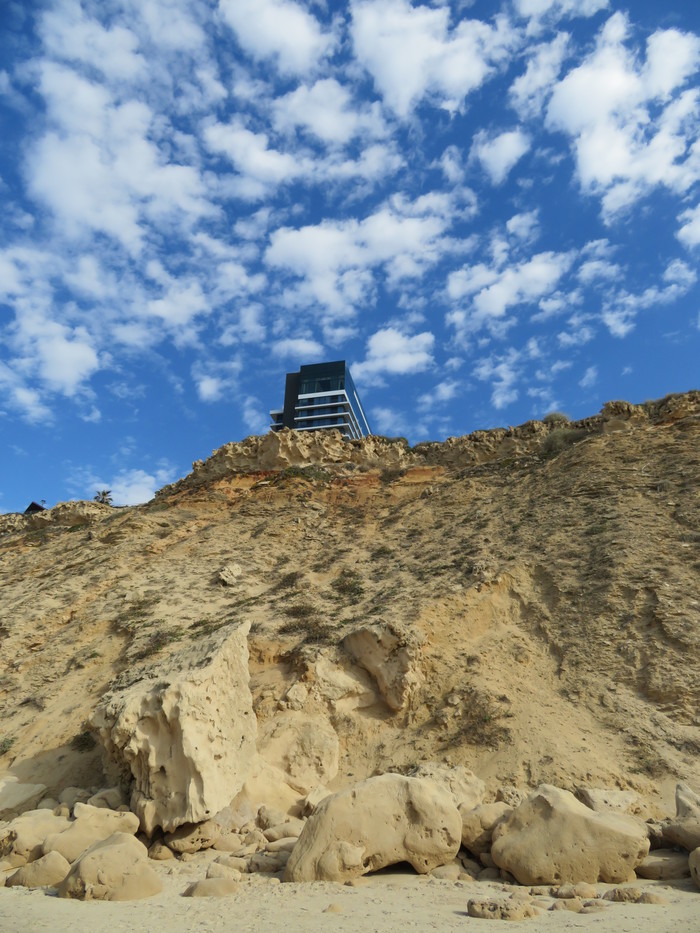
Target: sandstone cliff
x=523, y=601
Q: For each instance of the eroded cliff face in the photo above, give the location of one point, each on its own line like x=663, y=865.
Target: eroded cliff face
x=524, y=602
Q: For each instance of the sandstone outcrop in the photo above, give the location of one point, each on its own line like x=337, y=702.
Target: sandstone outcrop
x=22, y=839
x=478, y=824
x=663, y=865
x=552, y=838
x=188, y=741
x=193, y=838
x=47, y=871
x=92, y=824
x=513, y=907
x=694, y=866
x=684, y=831
x=16, y=797
x=379, y=822
x=113, y=869
x=391, y=655
x=466, y=789
x=603, y=800
x=304, y=748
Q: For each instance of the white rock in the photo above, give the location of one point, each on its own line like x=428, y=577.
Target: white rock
x=46, y=871
x=552, y=838
x=305, y=748
x=16, y=797
x=465, y=788
x=391, y=655
x=113, y=869
x=188, y=740
x=379, y=822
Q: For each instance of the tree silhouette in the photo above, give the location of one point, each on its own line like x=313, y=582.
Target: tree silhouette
x=104, y=496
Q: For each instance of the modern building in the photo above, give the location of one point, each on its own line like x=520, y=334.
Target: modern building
x=321, y=396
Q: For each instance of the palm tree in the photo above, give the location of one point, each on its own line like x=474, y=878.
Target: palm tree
x=104, y=496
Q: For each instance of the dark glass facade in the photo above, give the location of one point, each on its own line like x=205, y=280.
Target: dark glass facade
x=321, y=396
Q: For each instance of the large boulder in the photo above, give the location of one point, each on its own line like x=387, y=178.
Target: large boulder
x=114, y=869
x=16, y=797
x=22, y=839
x=552, y=838
x=694, y=866
x=684, y=831
x=91, y=825
x=47, y=871
x=391, y=654
x=478, y=824
x=465, y=788
x=188, y=740
x=381, y=821
x=305, y=748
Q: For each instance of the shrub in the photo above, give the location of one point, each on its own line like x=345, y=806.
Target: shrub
x=6, y=744
x=556, y=417
x=84, y=741
x=348, y=584
x=560, y=439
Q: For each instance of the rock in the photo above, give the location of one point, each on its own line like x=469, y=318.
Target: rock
x=268, y=862
x=581, y=889
x=23, y=838
x=663, y=865
x=193, y=838
x=228, y=842
x=603, y=800
x=296, y=696
x=189, y=739
x=47, y=803
x=554, y=838
x=91, y=825
x=379, y=822
x=110, y=798
x=478, y=824
x=47, y=871
x=217, y=870
x=391, y=654
x=470, y=865
x=305, y=748
x=510, y=795
x=233, y=861
x=694, y=866
x=684, y=831
x=113, y=869
x=451, y=872
x=282, y=845
x=213, y=887
x=269, y=816
x=651, y=897
x=629, y=895
x=230, y=574
x=573, y=904
x=501, y=908
x=159, y=852
x=489, y=874
x=313, y=799
x=465, y=788
x=72, y=795
x=16, y=797
x=284, y=830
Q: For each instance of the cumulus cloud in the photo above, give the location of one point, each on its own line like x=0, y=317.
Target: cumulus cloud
x=498, y=154
x=393, y=353
x=589, y=378
x=411, y=52
x=632, y=127
x=328, y=111
x=280, y=30
x=529, y=90
x=297, y=348
x=503, y=372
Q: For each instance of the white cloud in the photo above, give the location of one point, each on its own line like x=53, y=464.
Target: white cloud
x=327, y=110
x=390, y=351
x=529, y=91
x=438, y=395
x=411, y=52
x=261, y=168
x=302, y=348
x=336, y=260
x=689, y=233
x=589, y=378
x=524, y=226
x=556, y=9
x=503, y=373
x=132, y=487
x=255, y=419
x=597, y=269
x=69, y=34
x=278, y=29
x=493, y=291
x=215, y=380
x=632, y=128
x=499, y=154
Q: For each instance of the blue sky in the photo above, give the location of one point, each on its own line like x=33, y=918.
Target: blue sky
x=491, y=210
